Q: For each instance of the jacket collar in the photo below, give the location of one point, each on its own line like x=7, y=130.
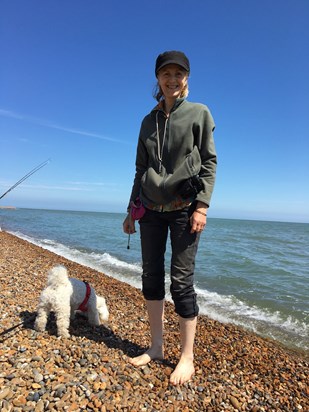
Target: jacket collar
x=160, y=105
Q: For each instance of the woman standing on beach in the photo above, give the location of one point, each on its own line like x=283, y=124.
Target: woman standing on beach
x=175, y=174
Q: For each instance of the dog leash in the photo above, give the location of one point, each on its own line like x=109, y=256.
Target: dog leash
x=128, y=245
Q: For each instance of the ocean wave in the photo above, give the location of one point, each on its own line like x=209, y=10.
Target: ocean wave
x=228, y=309
x=105, y=263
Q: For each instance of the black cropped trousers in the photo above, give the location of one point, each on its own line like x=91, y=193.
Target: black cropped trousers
x=154, y=229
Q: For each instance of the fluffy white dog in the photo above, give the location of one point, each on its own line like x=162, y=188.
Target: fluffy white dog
x=65, y=296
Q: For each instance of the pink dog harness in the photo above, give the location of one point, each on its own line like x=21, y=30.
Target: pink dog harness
x=83, y=306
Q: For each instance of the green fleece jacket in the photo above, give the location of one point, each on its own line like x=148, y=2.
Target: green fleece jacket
x=173, y=148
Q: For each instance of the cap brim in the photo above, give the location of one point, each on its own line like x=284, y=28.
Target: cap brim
x=172, y=62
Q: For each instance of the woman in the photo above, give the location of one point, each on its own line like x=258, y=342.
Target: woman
x=175, y=174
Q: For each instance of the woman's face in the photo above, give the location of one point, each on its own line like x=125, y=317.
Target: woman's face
x=172, y=79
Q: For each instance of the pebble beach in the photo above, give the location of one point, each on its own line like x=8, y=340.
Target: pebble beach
x=235, y=370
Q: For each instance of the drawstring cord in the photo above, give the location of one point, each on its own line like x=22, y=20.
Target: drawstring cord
x=160, y=149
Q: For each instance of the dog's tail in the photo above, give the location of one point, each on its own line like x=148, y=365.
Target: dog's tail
x=57, y=276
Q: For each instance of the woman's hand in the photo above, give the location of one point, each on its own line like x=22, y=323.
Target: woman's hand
x=128, y=225
x=198, y=219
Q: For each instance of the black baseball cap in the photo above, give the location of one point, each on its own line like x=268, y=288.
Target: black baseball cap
x=172, y=57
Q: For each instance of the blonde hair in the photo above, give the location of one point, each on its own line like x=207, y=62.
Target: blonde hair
x=158, y=94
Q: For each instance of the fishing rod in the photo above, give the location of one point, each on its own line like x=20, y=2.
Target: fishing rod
x=26, y=176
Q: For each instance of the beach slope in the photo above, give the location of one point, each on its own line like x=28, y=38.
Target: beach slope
x=235, y=370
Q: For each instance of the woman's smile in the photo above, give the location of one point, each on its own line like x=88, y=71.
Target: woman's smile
x=172, y=80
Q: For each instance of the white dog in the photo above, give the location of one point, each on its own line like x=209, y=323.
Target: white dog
x=65, y=296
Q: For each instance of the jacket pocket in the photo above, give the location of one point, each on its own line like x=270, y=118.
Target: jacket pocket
x=162, y=188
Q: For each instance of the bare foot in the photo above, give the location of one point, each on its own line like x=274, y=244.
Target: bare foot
x=149, y=355
x=183, y=372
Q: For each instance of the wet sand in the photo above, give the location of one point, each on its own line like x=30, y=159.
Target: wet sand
x=235, y=370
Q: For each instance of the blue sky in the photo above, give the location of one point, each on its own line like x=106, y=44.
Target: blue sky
x=76, y=79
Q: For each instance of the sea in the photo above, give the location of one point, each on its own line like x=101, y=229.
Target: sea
x=250, y=273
